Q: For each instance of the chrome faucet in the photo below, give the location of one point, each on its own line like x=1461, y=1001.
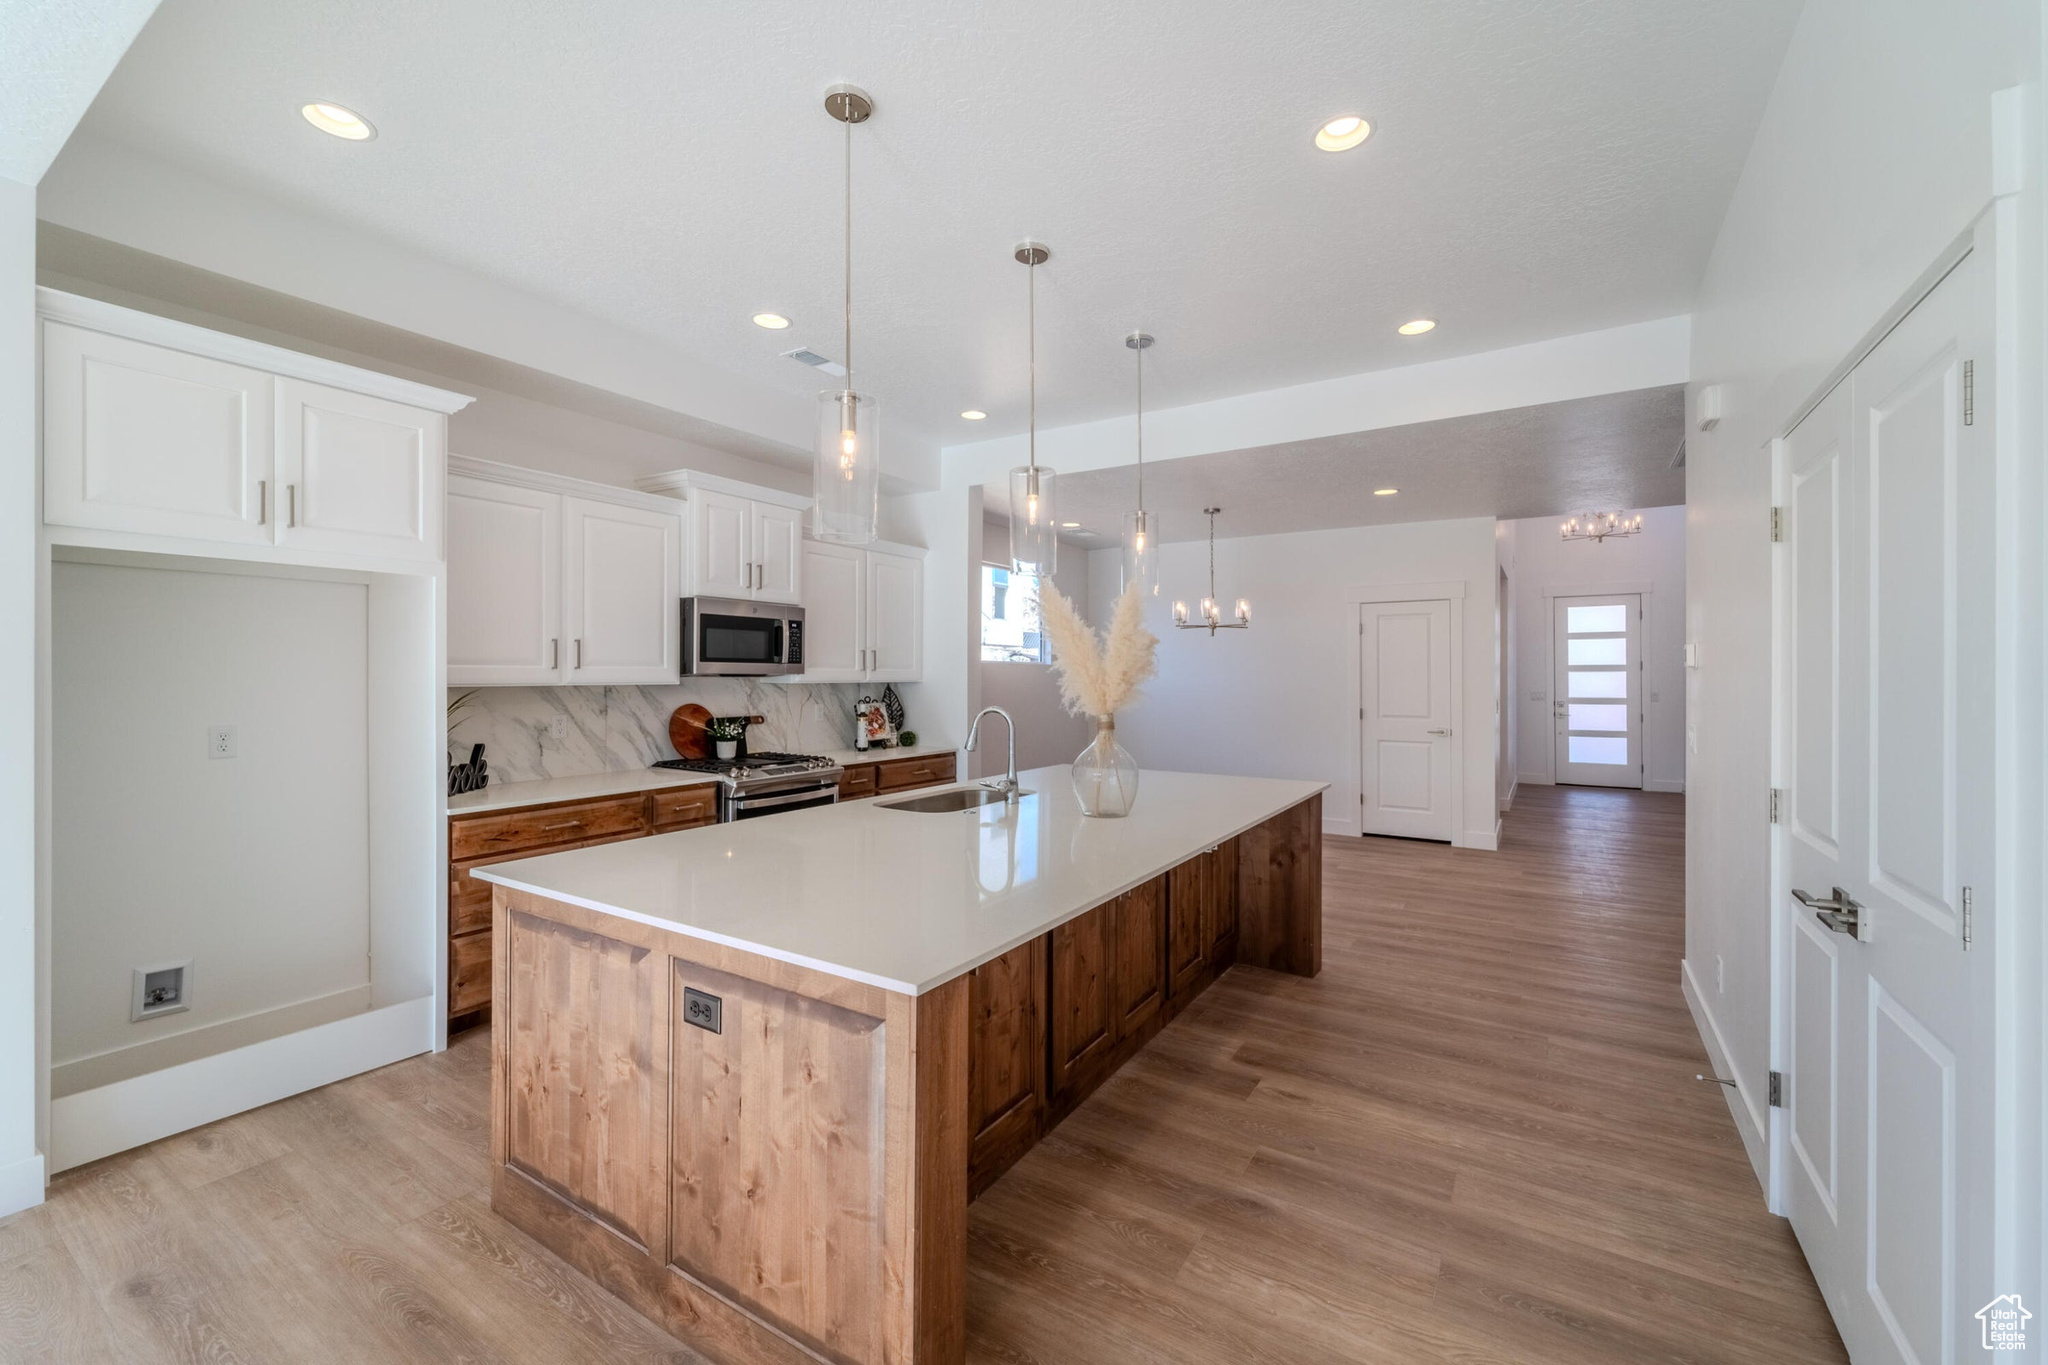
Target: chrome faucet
x=1007, y=783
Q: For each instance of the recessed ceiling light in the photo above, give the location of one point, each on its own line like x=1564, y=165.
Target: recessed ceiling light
x=1417, y=327
x=774, y=322
x=974, y=414
x=1342, y=134
x=339, y=120
x=1384, y=492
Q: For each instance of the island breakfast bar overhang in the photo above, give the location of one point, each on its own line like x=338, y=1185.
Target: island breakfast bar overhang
x=774, y=1159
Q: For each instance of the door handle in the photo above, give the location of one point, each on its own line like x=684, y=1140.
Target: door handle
x=1439, y=732
x=1840, y=912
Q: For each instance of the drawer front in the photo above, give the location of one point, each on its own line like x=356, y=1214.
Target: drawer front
x=686, y=807
x=521, y=831
x=469, y=973
x=859, y=781
x=905, y=773
x=469, y=898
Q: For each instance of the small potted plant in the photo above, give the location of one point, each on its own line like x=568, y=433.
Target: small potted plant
x=725, y=733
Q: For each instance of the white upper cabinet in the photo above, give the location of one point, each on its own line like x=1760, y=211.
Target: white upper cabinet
x=162, y=432
x=778, y=536
x=142, y=438
x=721, y=544
x=895, y=617
x=622, y=592
x=835, y=613
x=504, y=584
x=359, y=474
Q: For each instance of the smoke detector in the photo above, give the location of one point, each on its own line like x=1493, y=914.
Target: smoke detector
x=804, y=355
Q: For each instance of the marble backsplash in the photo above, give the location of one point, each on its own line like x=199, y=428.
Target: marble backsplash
x=613, y=729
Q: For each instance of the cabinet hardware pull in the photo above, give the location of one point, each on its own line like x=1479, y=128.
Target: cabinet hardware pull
x=563, y=824
x=554, y=653
x=579, y=651
x=262, y=502
x=292, y=503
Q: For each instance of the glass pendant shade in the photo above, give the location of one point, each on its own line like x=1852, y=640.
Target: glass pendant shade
x=1141, y=552
x=1034, y=524
x=846, y=473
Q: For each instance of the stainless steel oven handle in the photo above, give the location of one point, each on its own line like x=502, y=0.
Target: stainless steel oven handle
x=742, y=802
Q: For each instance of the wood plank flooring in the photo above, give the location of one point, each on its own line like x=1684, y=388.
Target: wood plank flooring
x=1475, y=1137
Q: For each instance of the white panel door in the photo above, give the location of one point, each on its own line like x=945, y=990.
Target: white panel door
x=1597, y=653
x=1405, y=694
x=504, y=585
x=895, y=618
x=140, y=438
x=777, y=541
x=1884, y=751
x=835, y=613
x=621, y=593
x=358, y=474
x=721, y=544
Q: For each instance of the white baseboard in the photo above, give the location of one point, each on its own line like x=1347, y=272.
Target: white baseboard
x=1664, y=784
x=194, y=1044
x=113, y=1118
x=1487, y=840
x=1507, y=802
x=1751, y=1120
x=21, y=1184
x=1340, y=829
x=1533, y=779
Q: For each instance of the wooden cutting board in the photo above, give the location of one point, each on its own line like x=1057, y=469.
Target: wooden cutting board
x=686, y=731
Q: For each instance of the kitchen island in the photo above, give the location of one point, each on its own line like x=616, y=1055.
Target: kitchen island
x=748, y=1076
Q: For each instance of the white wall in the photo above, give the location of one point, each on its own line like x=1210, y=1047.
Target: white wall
x=948, y=524
x=1277, y=700
x=1547, y=564
x=256, y=867
x=1507, y=711
x=1045, y=732
x=1874, y=152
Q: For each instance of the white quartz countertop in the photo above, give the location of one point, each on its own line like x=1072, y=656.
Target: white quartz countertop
x=898, y=899
x=590, y=786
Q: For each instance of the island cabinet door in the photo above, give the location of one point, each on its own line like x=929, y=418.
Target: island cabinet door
x=1005, y=1060
x=1083, y=999
x=1220, y=904
x=1187, y=913
x=1140, y=955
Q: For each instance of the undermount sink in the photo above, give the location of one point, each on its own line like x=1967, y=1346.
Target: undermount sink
x=961, y=798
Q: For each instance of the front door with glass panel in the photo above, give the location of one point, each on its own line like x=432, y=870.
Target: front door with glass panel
x=1597, y=643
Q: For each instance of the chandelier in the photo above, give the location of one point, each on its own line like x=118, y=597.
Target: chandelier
x=1599, y=526
x=1211, y=620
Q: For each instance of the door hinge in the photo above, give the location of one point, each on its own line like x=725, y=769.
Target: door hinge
x=1777, y=1090
x=1777, y=525
x=1969, y=916
x=1969, y=392
x=1777, y=805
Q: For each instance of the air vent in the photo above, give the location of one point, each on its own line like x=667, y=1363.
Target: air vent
x=804, y=355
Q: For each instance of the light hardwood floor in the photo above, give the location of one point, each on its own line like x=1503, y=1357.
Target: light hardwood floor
x=1475, y=1137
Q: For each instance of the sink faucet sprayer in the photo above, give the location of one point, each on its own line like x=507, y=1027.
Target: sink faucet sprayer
x=1007, y=783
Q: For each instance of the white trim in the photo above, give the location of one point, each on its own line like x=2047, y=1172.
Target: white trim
x=677, y=483
x=1535, y=779
x=1600, y=590
x=518, y=476
x=1486, y=840
x=1663, y=784
x=193, y=552
x=1339, y=829
x=1359, y=595
x=115, y=320
x=1507, y=799
x=1750, y=1121
x=113, y=1118
x=21, y=1184
x=1642, y=593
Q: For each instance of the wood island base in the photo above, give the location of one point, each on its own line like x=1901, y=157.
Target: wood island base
x=774, y=1163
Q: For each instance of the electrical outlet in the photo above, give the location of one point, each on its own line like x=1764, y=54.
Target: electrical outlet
x=1538, y=694
x=558, y=727
x=1720, y=975
x=220, y=741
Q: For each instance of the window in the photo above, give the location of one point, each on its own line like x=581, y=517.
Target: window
x=1010, y=630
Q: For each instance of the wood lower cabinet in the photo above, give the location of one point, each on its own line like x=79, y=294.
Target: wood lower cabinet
x=1082, y=999
x=926, y=770
x=1187, y=913
x=1006, y=1071
x=1139, y=917
x=1219, y=905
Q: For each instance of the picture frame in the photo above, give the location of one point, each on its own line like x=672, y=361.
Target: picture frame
x=872, y=718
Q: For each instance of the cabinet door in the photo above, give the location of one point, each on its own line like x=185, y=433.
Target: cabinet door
x=1005, y=1060
x=1221, y=901
x=504, y=585
x=895, y=618
x=357, y=474
x=721, y=545
x=1082, y=999
x=140, y=438
x=621, y=593
x=1140, y=955
x=777, y=534
x=1187, y=911
x=835, y=613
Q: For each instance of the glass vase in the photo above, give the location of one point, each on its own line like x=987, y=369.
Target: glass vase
x=1105, y=776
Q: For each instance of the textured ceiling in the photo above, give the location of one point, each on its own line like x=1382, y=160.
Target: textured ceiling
x=1539, y=168
x=1618, y=450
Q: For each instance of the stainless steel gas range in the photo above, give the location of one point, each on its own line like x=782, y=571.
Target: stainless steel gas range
x=766, y=784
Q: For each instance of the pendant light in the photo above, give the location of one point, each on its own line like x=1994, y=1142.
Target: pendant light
x=1141, y=528
x=846, y=470
x=1212, y=619
x=1034, y=539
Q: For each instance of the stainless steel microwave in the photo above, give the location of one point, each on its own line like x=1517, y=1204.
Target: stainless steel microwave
x=732, y=637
